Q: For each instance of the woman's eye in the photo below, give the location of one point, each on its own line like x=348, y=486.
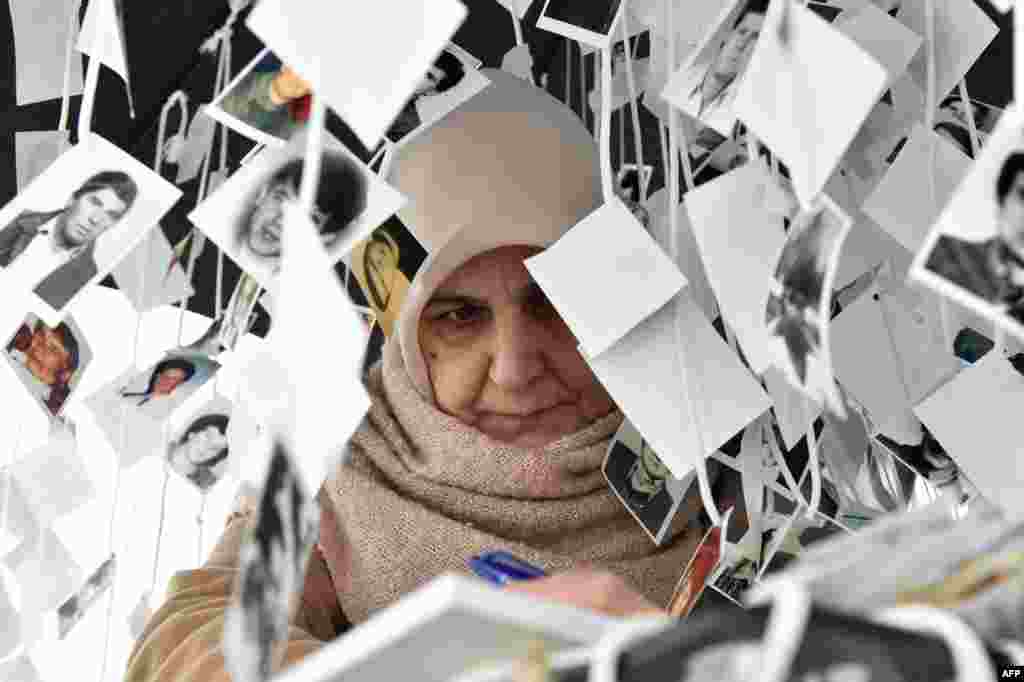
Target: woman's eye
x=462, y=315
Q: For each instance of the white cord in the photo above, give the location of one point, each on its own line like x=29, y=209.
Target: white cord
x=605, y=124
x=605, y=655
x=969, y=656
x=69, y=59
x=786, y=627
x=634, y=108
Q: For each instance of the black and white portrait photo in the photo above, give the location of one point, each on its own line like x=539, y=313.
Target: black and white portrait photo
x=798, y=307
x=629, y=185
x=245, y=217
x=452, y=79
x=76, y=221
x=200, y=452
x=642, y=482
x=72, y=610
x=272, y=563
x=49, y=361
x=590, y=22
x=707, y=83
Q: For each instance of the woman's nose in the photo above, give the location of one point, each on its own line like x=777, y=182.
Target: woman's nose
x=517, y=357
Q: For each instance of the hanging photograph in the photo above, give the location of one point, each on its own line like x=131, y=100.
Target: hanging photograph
x=49, y=361
x=642, y=483
x=160, y=389
x=198, y=451
x=245, y=216
x=629, y=186
x=72, y=610
x=929, y=460
x=974, y=254
x=76, y=221
x=240, y=313
x=590, y=22
x=452, y=79
x=272, y=563
x=706, y=84
x=798, y=310
x=694, y=579
x=786, y=543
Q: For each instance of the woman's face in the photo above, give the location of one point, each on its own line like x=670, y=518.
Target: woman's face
x=501, y=359
x=168, y=380
x=380, y=256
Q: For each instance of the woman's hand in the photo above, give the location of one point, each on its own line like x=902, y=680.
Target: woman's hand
x=288, y=86
x=597, y=590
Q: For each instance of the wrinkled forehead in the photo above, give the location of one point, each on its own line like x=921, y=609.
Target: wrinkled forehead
x=498, y=268
x=106, y=197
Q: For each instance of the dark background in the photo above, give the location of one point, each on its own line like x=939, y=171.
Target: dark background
x=163, y=40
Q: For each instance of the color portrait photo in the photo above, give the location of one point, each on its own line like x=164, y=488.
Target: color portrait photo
x=975, y=252
x=48, y=361
x=245, y=216
x=76, y=221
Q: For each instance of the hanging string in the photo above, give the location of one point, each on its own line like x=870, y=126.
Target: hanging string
x=92, y=78
x=699, y=459
x=584, y=82
x=69, y=59
x=179, y=99
x=516, y=27
x=160, y=523
x=972, y=126
x=568, y=71
x=605, y=124
x=199, y=522
x=638, y=153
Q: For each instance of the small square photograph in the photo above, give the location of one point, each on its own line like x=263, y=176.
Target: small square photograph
x=272, y=562
x=268, y=102
x=707, y=83
x=590, y=22
x=798, y=310
x=72, y=610
x=452, y=79
x=691, y=585
x=642, y=482
x=246, y=215
x=383, y=265
x=974, y=254
x=162, y=388
x=49, y=361
x=198, y=451
x=76, y=221
x=735, y=574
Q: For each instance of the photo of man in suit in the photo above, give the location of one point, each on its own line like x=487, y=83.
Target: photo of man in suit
x=60, y=245
x=717, y=86
x=271, y=98
x=46, y=361
x=341, y=197
x=991, y=270
x=445, y=73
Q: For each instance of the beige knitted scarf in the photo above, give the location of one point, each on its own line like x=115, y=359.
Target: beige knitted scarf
x=419, y=493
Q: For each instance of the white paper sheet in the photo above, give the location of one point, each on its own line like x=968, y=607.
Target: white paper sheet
x=631, y=276
x=224, y=216
x=643, y=374
x=198, y=143
x=689, y=261
x=805, y=108
x=21, y=523
x=54, y=480
x=322, y=415
x=976, y=417
x=794, y=412
x=20, y=669
x=867, y=366
x=34, y=151
x=392, y=55
x=891, y=43
x=105, y=42
x=914, y=318
x=589, y=22
x=904, y=203
x=47, y=575
x=41, y=31
x=962, y=32
x=735, y=209
x=150, y=275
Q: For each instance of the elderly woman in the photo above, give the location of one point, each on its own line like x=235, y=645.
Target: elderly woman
x=487, y=430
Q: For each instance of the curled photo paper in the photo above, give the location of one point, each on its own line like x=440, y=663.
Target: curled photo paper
x=72, y=610
x=76, y=221
x=799, y=306
x=974, y=253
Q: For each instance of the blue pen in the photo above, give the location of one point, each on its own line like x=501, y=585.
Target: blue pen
x=500, y=568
